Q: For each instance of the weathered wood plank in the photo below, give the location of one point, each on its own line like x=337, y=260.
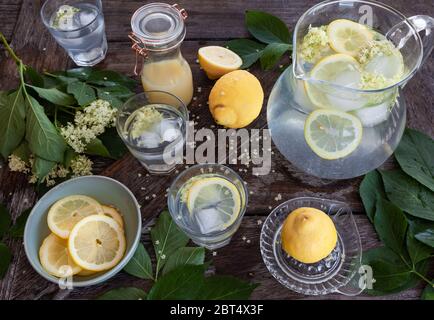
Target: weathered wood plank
x=9, y=10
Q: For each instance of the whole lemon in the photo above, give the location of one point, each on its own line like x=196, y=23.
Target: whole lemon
x=308, y=235
x=236, y=99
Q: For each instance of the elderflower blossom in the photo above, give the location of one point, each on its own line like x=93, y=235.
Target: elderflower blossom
x=315, y=42
x=58, y=171
x=374, y=49
x=17, y=164
x=81, y=166
x=89, y=124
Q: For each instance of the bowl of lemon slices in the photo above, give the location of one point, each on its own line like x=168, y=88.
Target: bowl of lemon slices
x=83, y=231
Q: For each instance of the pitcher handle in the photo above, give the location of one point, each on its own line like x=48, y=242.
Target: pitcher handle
x=424, y=23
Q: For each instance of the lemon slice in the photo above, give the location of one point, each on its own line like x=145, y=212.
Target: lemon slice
x=346, y=36
x=114, y=214
x=55, y=258
x=86, y=273
x=217, y=61
x=97, y=243
x=332, y=134
x=66, y=212
x=215, y=203
x=339, y=69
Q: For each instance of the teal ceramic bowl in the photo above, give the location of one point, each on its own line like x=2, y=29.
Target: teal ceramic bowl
x=107, y=191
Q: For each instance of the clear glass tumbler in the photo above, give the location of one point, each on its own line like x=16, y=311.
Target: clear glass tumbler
x=208, y=202
x=78, y=26
x=154, y=130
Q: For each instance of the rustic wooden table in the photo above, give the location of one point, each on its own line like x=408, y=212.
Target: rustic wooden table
x=210, y=22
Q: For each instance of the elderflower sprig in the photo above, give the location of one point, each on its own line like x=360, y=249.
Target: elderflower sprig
x=314, y=44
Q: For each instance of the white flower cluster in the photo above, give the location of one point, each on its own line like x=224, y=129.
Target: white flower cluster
x=17, y=164
x=81, y=166
x=88, y=124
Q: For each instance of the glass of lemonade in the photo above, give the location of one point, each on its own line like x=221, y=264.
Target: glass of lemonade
x=78, y=26
x=154, y=130
x=338, y=112
x=208, y=202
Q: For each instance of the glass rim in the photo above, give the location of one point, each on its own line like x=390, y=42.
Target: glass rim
x=47, y=23
x=237, y=221
x=183, y=113
x=392, y=10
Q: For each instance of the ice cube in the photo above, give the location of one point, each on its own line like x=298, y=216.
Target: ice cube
x=148, y=140
x=388, y=66
x=371, y=116
x=169, y=130
x=342, y=99
x=85, y=17
x=209, y=220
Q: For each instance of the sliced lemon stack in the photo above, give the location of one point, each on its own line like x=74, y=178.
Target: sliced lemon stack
x=86, y=237
x=217, y=61
x=346, y=36
x=214, y=201
x=332, y=134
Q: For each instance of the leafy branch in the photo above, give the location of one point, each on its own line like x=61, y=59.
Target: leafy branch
x=274, y=37
x=400, y=204
x=179, y=271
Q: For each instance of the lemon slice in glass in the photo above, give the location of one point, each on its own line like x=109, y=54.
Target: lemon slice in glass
x=346, y=36
x=217, y=61
x=215, y=203
x=339, y=69
x=97, y=243
x=66, y=212
x=332, y=134
x=55, y=258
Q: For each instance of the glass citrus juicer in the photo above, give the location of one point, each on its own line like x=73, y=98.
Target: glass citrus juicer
x=339, y=112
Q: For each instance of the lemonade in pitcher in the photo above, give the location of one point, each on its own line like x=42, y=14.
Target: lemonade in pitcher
x=338, y=111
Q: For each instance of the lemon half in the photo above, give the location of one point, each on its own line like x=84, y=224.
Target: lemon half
x=308, y=235
x=65, y=213
x=332, y=134
x=97, y=243
x=346, y=36
x=217, y=61
x=55, y=258
x=218, y=196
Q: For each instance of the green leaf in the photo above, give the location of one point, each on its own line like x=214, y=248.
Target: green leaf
x=113, y=143
x=80, y=73
x=5, y=220
x=166, y=238
x=42, y=136
x=249, y=51
x=415, y=155
x=69, y=155
x=55, y=96
x=371, y=189
x=97, y=148
x=266, y=27
x=129, y=293
x=65, y=80
x=391, y=274
x=391, y=225
x=12, y=121
x=110, y=78
x=140, y=264
x=82, y=92
x=17, y=230
x=23, y=151
x=428, y=292
x=34, y=77
x=5, y=259
x=423, y=231
x=225, y=288
x=416, y=249
x=182, y=283
x=272, y=54
x=184, y=256
x=408, y=194
x=42, y=167
x=115, y=102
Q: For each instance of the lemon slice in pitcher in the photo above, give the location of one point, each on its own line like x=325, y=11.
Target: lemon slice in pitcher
x=66, y=212
x=97, y=243
x=332, y=134
x=215, y=202
x=346, y=36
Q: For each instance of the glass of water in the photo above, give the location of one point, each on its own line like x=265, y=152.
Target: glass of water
x=208, y=202
x=78, y=26
x=153, y=125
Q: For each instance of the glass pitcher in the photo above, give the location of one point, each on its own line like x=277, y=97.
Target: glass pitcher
x=306, y=108
x=158, y=31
